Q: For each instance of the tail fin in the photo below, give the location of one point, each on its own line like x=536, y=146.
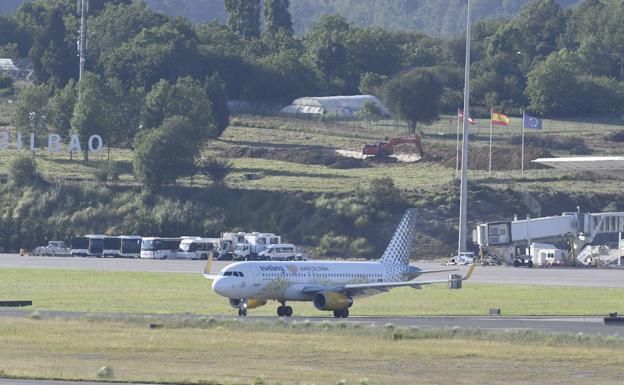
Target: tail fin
x=398, y=252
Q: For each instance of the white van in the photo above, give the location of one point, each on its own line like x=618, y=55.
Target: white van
x=281, y=252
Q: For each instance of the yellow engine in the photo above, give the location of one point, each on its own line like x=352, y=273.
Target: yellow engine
x=331, y=300
x=254, y=303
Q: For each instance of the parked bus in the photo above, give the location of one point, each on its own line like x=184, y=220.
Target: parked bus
x=197, y=248
x=130, y=246
x=112, y=247
x=96, y=245
x=159, y=248
x=79, y=247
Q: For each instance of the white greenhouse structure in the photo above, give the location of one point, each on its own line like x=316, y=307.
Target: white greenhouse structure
x=338, y=106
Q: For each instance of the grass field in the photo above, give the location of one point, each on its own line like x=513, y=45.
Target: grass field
x=304, y=353
x=283, y=132
x=130, y=292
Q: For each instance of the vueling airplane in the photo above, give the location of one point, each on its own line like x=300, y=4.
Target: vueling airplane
x=330, y=286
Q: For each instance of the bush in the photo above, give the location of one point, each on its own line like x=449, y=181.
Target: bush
x=105, y=372
x=553, y=142
x=617, y=136
x=215, y=169
x=106, y=171
x=23, y=171
x=6, y=85
x=334, y=245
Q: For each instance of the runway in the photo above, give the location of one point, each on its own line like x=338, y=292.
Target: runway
x=584, y=277
x=571, y=325
x=50, y=382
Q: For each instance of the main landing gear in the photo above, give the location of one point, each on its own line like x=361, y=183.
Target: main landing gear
x=344, y=313
x=284, y=311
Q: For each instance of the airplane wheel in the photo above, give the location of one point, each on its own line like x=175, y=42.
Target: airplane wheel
x=288, y=311
x=345, y=313
x=242, y=312
x=280, y=311
x=337, y=313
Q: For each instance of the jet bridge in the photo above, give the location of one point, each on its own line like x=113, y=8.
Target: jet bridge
x=499, y=239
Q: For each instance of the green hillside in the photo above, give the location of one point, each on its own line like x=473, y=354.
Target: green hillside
x=435, y=17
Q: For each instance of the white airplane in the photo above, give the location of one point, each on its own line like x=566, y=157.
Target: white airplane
x=329, y=285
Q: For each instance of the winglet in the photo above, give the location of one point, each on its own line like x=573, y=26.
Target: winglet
x=207, y=269
x=469, y=273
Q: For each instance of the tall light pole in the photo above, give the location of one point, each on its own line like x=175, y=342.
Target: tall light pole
x=463, y=198
x=83, y=10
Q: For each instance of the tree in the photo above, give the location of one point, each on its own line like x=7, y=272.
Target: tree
x=167, y=51
x=215, y=90
x=244, y=17
x=187, y=98
x=370, y=111
x=277, y=17
x=414, y=97
x=91, y=110
x=552, y=87
x=52, y=56
x=164, y=154
x=117, y=24
x=31, y=110
x=61, y=107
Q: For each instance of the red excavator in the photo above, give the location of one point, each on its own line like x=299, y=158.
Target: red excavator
x=384, y=148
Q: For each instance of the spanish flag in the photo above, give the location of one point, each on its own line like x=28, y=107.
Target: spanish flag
x=499, y=119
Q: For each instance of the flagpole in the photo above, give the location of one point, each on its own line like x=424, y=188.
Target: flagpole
x=463, y=190
x=490, y=168
x=522, y=155
x=457, y=145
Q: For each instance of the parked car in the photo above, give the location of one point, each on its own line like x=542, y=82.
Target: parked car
x=53, y=248
x=464, y=258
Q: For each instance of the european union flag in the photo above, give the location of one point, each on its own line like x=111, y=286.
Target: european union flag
x=532, y=122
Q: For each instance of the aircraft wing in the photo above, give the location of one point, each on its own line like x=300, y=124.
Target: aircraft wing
x=436, y=271
x=369, y=288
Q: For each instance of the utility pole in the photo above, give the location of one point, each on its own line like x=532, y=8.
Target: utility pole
x=463, y=193
x=83, y=10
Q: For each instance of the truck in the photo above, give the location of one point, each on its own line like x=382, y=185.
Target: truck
x=545, y=254
x=52, y=249
x=255, y=243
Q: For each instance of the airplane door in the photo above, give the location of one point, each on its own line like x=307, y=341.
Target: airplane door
x=257, y=276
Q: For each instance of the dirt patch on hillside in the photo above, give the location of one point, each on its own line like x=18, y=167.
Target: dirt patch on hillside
x=304, y=155
x=503, y=158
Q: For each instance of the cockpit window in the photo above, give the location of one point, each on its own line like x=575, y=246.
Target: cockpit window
x=233, y=274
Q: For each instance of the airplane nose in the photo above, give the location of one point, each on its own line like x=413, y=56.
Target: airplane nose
x=220, y=286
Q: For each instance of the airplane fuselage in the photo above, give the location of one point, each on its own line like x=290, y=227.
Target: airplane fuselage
x=285, y=281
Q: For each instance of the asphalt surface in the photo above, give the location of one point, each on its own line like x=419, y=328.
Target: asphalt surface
x=572, y=325
x=490, y=274
x=585, y=277
x=49, y=382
